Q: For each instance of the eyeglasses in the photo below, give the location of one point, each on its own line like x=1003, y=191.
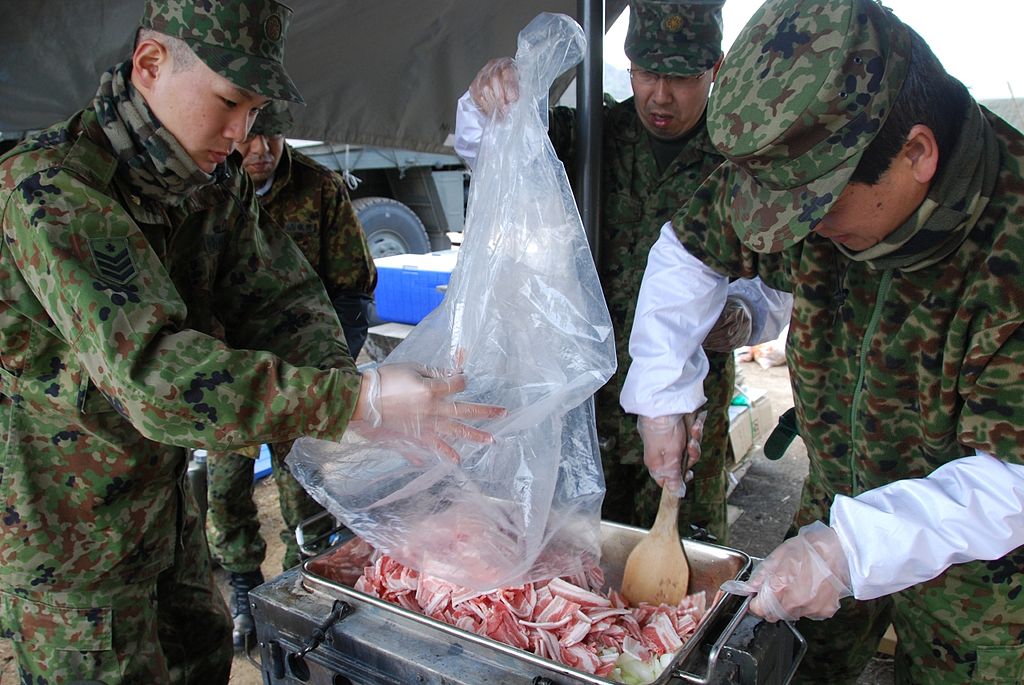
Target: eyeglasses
x=252, y=136
x=650, y=78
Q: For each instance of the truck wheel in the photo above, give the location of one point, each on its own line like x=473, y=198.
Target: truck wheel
x=391, y=228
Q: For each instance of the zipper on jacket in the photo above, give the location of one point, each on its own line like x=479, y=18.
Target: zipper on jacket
x=841, y=292
x=869, y=333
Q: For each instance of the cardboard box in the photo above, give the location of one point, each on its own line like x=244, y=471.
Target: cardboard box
x=751, y=420
x=410, y=286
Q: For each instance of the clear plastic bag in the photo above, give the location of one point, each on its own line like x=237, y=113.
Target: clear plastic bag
x=525, y=317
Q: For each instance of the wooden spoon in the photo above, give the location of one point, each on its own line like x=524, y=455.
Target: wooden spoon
x=657, y=571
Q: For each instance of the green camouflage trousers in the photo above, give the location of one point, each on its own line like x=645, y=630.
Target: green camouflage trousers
x=174, y=628
x=633, y=496
x=966, y=626
x=232, y=522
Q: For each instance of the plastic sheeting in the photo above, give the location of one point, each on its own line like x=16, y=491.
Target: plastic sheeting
x=525, y=317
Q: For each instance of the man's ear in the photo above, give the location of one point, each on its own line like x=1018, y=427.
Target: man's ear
x=922, y=151
x=148, y=61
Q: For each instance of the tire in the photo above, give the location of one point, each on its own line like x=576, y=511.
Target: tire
x=391, y=228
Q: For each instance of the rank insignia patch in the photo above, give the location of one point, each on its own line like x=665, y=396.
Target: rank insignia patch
x=113, y=260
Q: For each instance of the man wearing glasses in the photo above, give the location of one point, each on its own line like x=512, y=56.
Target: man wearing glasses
x=656, y=153
x=311, y=204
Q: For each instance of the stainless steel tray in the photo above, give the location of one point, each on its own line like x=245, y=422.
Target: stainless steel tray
x=710, y=566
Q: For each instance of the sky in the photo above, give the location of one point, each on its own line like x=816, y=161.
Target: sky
x=980, y=42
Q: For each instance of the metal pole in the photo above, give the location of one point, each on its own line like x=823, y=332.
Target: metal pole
x=589, y=93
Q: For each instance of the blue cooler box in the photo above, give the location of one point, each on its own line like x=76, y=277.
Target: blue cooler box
x=408, y=284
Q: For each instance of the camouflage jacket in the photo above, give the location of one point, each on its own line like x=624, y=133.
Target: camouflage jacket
x=895, y=372
x=312, y=204
x=112, y=312
x=638, y=200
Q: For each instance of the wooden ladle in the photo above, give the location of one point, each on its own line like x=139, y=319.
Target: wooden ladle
x=656, y=570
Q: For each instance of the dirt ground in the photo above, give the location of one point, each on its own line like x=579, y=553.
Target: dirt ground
x=761, y=506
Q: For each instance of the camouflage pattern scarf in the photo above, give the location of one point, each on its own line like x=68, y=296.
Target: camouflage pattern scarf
x=956, y=199
x=157, y=165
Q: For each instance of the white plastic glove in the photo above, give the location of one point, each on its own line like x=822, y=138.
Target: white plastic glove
x=664, y=440
x=804, y=577
x=733, y=327
x=496, y=86
x=415, y=402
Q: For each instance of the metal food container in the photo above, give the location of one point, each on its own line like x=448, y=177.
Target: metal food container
x=312, y=626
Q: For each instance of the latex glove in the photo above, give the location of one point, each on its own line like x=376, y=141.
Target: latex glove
x=665, y=438
x=733, y=327
x=804, y=577
x=496, y=86
x=415, y=402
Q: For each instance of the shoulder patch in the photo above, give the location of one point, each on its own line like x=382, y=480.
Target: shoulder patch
x=113, y=259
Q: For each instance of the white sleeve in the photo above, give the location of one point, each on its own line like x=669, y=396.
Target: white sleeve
x=680, y=300
x=469, y=129
x=910, y=531
x=771, y=308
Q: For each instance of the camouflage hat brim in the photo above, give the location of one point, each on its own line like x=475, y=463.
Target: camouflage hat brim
x=242, y=40
x=768, y=220
x=262, y=76
x=673, y=37
x=805, y=88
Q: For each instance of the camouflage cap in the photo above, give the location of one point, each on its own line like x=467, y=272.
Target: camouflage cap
x=804, y=89
x=242, y=40
x=274, y=120
x=680, y=38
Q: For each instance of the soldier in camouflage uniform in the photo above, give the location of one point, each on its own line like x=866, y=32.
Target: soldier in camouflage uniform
x=311, y=203
x=867, y=179
x=131, y=251
x=655, y=155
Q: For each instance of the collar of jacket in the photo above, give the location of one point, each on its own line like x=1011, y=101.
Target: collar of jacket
x=282, y=176
x=92, y=160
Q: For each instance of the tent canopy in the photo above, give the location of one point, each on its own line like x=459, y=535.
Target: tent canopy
x=385, y=73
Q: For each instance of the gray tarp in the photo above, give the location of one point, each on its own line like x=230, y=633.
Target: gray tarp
x=374, y=72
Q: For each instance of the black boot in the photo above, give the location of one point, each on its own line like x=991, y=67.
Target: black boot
x=244, y=630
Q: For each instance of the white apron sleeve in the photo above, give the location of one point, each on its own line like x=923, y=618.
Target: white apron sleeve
x=770, y=308
x=680, y=300
x=469, y=129
x=910, y=531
